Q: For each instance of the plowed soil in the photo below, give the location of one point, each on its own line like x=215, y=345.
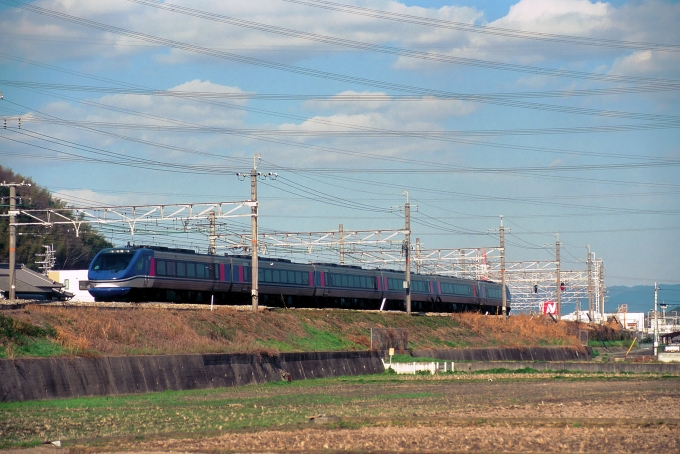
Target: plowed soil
x=494, y=413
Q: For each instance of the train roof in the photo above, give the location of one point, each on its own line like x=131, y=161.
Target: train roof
x=339, y=266
x=162, y=248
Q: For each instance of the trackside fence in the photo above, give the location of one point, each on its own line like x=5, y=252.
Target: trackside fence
x=415, y=367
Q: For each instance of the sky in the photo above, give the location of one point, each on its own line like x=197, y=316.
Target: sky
x=560, y=115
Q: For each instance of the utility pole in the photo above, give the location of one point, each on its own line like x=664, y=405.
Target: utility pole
x=12, y=235
x=418, y=255
x=656, y=320
x=253, y=232
x=558, y=307
x=407, y=252
x=254, y=292
x=341, y=232
x=212, y=249
x=601, y=287
x=590, y=287
x=504, y=298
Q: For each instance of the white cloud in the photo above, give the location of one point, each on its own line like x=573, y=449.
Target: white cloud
x=641, y=21
x=572, y=17
x=87, y=198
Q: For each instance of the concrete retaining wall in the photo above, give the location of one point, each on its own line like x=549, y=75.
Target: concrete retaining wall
x=49, y=378
x=613, y=368
x=508, y=354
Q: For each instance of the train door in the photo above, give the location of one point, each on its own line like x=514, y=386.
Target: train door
x=148, y=263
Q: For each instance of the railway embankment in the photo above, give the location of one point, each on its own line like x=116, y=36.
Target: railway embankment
x=68, y=351
x=42, y=330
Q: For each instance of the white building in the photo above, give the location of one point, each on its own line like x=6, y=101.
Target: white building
x=74, y=281
x=634, y=321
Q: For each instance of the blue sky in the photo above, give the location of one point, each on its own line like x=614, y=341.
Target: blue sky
x=578, y=138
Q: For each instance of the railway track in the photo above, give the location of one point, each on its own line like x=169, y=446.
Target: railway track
x=7, y=305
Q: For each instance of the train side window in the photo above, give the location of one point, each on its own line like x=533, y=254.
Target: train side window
x=172, y=268
x=395, y=284
x=291, y=277
x=181, y=269
x=191, y=270
x=83, y=285
x=420, y=286
x=493, y=293
x=268, y=275
x=276, y=276
x=161, y=269
x=200, y=270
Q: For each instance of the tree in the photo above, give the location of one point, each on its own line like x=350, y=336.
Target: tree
x=72, y=252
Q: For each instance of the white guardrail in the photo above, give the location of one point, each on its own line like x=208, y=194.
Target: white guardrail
x=413, y=368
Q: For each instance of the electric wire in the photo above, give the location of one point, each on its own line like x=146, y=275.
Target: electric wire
x=178, y=9
x=324, y=74
x=457, y=140
x=486, y=29
x=338, y=97
x=373, y=132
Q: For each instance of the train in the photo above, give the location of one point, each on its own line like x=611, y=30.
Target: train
x=162, y=274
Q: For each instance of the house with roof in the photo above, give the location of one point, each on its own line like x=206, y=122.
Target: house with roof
x=31, y=285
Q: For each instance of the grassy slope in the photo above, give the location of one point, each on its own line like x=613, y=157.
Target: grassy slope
x=45, y=331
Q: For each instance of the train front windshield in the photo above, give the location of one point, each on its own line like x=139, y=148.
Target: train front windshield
x=113, y=261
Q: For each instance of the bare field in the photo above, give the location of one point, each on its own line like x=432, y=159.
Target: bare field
x=449, y=413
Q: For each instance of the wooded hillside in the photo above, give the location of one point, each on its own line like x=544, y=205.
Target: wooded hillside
x=71, y=252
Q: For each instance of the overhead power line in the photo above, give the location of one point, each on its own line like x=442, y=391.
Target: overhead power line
x=341, y=97
x=486, y=29
x=329, y=75
x=354, y=133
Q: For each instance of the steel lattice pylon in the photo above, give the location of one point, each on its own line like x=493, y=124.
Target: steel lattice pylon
x=531, y=283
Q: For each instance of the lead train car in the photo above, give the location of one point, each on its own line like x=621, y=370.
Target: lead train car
x=150, y=273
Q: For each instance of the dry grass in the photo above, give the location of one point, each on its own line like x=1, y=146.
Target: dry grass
x=520, y=330
x=88, y=330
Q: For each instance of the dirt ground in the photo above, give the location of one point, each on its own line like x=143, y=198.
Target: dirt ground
x=489, y=414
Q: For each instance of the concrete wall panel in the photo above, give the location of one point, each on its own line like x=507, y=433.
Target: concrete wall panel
x=506, y=354
x=613, y=368
x=94, y=376
x=29, y=371
x=10, y=386
x=128, y=375
x=48, y=378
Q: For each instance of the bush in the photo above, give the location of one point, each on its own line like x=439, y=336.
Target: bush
x=23, y=338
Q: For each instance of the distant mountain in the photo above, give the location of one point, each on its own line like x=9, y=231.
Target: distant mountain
x=641, y=297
